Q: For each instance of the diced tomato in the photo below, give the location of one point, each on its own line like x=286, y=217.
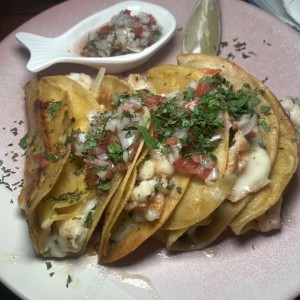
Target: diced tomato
x=42, y=161
x=189, y=166
x=136, y=19
x=155, y=134
x=253, y=135
x=191, y=105
x=153, y=102
x=204, y=88
x=110, y=175
x=186, y=165
x=152, y=20
x=127, y=12
x=127, y=105
x=89, y=171
x=111, y=137
x=172, y=141
x=105, y=28
x=139, y=31
x=209, y=71
x=151, y=42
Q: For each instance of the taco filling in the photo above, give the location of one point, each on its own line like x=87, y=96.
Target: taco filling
x=187, y=128
x=108, y=147
x=111, y=143
x=185, y=135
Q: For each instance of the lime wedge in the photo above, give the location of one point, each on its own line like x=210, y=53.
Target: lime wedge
x=202, y=33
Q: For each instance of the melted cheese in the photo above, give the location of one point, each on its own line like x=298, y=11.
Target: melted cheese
x=69, y=235
x=256, y=174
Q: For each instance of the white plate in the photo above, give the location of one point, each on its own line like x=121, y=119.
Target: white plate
x=253, y=267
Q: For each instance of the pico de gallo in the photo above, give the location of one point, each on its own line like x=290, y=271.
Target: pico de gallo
x=125, y=33
x=188, y=126
x=111, y=143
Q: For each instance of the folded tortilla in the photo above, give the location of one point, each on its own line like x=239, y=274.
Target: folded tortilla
x=62, y=217
x=122, y=231
x=253, y=211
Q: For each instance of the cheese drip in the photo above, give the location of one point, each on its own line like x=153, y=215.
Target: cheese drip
x=256, y=173
x=68, y=236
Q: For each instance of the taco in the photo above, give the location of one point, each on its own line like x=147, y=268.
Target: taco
x=271, y=159
x=89, y=149
x=188, y=156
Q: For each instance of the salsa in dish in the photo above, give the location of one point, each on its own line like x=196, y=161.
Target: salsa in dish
x=125, y=33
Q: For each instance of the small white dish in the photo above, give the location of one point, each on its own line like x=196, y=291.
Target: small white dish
x=65, y=48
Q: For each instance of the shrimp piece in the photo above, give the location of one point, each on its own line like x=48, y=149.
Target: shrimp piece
x=238, y=154
x=155, y=207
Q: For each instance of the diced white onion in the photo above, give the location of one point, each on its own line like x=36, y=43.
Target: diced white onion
x=193, y=84
x=246, y=124
x=213, y=175
x=126, y=142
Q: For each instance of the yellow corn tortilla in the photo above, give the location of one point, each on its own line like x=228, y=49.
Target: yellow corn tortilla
x=283, y=169
x=283, y=155
x=47, y=134
x=53, y=204
x=134, y=234
x=200, y=236
x=202, y=198
x=163, y=79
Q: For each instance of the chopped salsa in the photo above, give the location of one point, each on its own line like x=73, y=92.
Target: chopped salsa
x=125, y=33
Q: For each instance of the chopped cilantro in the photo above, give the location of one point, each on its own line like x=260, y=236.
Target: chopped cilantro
x=90, y=142
x=23, y=142
x=49, y=265
x=51, y=156
x=105, y=185
x=179, y=190
x=70, y=197
x=115, y=151
x=69, y=280
x=265, y=127
x=89, y=219
x=158, y=186
x=264, y=109
x=149, y=140
x=54, y=108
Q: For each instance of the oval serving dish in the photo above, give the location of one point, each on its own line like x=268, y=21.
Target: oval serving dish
x=66, y=48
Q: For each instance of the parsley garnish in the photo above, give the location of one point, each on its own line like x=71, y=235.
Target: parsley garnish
x=49, y=265
x=149, y=140
x=51, y=156
x=115, y=151
x=105, y=185
x=89, y=219
x=265, y=127
x=90, y=142
x=179, y=190
x=54, y=108
x=23, y=142
x=264, y=109
x=69, y=280
x=158, y=186
x=70, y=197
